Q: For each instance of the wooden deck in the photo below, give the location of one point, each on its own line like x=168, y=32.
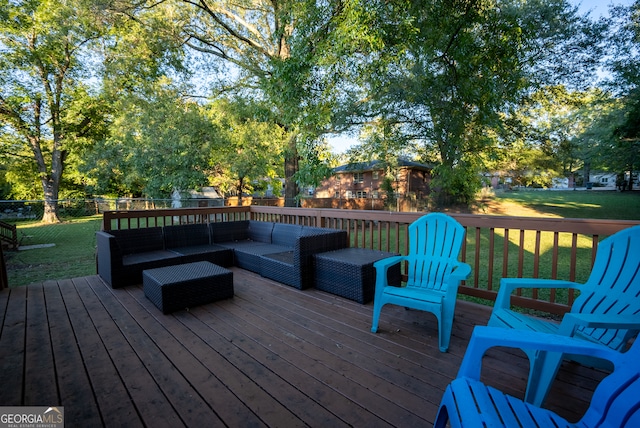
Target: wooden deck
x=271, y=356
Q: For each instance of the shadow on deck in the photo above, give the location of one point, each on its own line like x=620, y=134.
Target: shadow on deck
x=271, y=356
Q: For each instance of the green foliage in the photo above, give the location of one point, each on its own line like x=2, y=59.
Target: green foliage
x=549, y=135
x=249, y=156
x=315, y=164
x=456, y=185
x=140, y=48
x=388, y=188
x=158, y=143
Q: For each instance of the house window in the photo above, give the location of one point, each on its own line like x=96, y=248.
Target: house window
x=348, y=194
x=375, y=194
x=358, y=177
x=375, y=175
x=361, y=194
x=336, y=195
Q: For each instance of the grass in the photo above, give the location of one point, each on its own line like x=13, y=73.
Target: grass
x=567, y=204
x=74, y=252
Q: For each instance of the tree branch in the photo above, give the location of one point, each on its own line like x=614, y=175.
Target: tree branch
x=202, y=5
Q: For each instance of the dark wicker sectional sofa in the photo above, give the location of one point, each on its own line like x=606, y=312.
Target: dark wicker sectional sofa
x=281, y=252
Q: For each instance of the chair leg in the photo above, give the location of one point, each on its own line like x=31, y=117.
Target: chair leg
x=377, y=307
x=544, y=367
x=445, y=325
x=444, y=335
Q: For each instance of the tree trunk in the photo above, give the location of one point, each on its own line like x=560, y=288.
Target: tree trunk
x=240, y=188
x=587, y=172
x=50, y=179
x=51, y=190
x=290, y=168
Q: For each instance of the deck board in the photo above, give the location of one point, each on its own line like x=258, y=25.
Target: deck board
x=270, y=356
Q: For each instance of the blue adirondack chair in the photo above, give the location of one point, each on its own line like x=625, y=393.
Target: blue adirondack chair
x=434, y=273
x=610, y=296
x=468, y=403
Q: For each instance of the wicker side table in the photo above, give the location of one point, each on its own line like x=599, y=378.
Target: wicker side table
x=349, y=272
x=183, y=286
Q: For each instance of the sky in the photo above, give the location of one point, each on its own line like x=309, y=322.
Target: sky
x=596, y=8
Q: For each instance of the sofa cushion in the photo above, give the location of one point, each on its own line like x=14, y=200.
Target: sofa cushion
x=186, y=235
x=260, y=231
x=216, y=254
x=229, y=231
x=246, y=254
x=285, y=235
x=133, y=241
x=149, y=257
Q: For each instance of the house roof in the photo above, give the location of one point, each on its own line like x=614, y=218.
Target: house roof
x=376, y=164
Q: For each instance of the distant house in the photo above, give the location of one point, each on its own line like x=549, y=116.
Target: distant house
x=364, y=181
x=603, y=179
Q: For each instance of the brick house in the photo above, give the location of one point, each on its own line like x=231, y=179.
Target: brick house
x=361, y=185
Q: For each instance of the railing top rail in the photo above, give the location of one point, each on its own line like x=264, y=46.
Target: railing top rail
x=172, y=211
x=550, y=224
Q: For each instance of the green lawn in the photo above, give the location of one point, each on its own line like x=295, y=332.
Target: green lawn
x=72, y=255
x=598, y=204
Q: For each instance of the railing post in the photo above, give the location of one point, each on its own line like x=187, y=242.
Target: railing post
x=4, y=281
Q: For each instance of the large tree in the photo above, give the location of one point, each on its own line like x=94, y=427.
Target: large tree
x=249, y=158
x=272, y=50
x=619, y=131
x=551, y=135
x=44, y=107
x=54, y=58
x=450, y=72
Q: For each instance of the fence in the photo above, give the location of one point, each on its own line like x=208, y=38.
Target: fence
x=16, y=210
x=495, y=247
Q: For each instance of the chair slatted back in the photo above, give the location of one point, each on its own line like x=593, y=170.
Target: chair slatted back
x=616, y=400
x=613, y=286
x=434, y=241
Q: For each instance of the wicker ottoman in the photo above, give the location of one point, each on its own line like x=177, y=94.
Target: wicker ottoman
x=183, y=286
x=349, y=272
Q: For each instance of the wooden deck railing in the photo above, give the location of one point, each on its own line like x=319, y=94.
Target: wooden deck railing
x=496, y=246
x=9, y=234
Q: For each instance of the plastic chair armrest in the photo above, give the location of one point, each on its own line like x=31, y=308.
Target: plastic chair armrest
x=484, y=338
x=381, y=267
x=508, y=285
x=461, y=272
x=571, y=321
x=385, y=264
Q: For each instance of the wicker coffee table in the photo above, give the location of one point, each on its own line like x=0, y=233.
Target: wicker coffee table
x=349, y=272
x=187, y=285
